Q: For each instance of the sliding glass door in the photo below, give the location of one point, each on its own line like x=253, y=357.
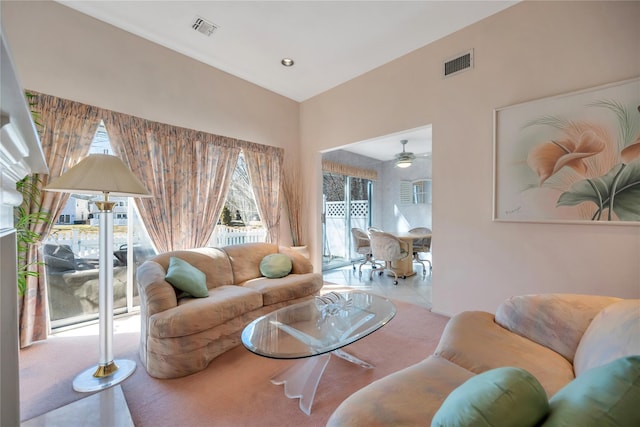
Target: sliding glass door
x=71, y=255
x=346, y=204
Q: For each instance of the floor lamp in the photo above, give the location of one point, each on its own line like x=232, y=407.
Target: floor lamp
x=107, y=175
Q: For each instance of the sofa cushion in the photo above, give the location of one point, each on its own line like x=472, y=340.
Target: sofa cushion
x=474, y=341
x=245, y=259
x=275, y=266
x=194, y=315
x=506, y=397
x=187, y=278
x=213, y=262
x=608, y=395
x=556, y=321
x=613, y=333
x=286, y=288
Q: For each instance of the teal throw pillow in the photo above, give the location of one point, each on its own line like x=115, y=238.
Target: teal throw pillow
x=504, y=397
x=187, y=278
x=608, y=395
x=274, y=266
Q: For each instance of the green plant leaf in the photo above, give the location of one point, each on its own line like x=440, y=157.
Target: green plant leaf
x=27, y=215
x=628, y=122
x=626, y=196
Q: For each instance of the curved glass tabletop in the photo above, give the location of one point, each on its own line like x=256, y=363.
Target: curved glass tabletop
x=317, y=326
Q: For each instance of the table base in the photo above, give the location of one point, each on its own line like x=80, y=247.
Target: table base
x=301, y=380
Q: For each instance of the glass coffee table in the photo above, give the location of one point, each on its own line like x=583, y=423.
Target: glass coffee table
x=314, y=330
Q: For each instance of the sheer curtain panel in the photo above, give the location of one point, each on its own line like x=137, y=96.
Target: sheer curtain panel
x=187, y=171
x=265, y=171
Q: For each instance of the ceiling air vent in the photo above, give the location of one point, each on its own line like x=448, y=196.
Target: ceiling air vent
x=458, y=64
x=203, y=26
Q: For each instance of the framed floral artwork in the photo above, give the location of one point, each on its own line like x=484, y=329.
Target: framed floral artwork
x=572, y=158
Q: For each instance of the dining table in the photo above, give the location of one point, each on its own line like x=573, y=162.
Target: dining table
x=404, y=266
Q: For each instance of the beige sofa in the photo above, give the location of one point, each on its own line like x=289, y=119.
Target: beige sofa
x=181, y=335
x=543, y=334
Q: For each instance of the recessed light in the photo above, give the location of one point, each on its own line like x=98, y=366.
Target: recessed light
x=287, y=62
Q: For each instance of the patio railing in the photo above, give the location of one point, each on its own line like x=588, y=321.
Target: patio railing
x=225, y=236
x=85, y=243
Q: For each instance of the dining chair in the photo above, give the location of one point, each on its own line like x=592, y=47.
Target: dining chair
x=388, y=248
x=362, y=245
x=421, y=246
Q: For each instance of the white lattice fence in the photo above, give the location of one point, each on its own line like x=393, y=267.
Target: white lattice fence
x=337, y=234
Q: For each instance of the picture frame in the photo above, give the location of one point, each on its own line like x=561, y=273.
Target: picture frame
x=559, y=159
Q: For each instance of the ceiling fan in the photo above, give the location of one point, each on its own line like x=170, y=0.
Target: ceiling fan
x=406, y=158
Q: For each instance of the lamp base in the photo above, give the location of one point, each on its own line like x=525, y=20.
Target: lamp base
x=88, y=382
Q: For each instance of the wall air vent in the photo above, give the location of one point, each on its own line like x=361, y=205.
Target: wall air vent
x=203, y=26
x=458, y=64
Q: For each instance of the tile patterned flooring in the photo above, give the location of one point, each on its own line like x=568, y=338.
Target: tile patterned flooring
x=415, y=289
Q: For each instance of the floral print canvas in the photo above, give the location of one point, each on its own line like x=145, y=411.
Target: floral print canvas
x=570, y=158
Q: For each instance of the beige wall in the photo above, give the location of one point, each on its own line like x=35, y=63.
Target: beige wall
x=529, y=51
x=62, y=52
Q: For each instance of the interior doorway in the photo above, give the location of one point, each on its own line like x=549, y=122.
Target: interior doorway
x=396, y=199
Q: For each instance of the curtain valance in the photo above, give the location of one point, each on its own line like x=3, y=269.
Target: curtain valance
x=348, y=170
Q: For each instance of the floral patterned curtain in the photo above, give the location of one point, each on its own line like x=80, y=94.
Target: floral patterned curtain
x=265, y=171
x=187, y=171
x=66, y=132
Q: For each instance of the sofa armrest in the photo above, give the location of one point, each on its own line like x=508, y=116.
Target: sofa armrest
x=556, y=321
x=156, y=294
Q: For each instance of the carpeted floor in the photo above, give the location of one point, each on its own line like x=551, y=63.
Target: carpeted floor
x=234, y=390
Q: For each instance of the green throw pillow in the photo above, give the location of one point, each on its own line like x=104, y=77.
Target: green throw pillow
x=274, y=266
x=501, y=397
x=608, y=395
x=187, y=278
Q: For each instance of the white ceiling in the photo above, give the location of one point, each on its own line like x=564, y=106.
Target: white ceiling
x=385, y=148
x=331, y=42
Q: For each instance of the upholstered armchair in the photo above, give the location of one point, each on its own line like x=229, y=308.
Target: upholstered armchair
x=362, y=245
x=388, y=248
x=421, y=246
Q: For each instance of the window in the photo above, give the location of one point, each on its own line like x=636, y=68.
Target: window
x=422, y=191
x=239, y=221
x=71, y=254
x=415, y=192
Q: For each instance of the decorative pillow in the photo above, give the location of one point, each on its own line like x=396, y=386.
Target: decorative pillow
x=605, y=396
x=275, y=266
x=613, y=333
x=187, y=278
x=502, y=397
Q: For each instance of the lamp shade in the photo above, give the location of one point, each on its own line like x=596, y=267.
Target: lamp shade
x=98, y=174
